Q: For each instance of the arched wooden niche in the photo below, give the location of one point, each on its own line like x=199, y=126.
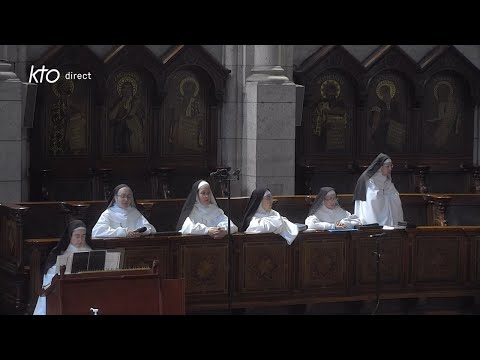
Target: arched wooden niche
x=388, y=113
x=390, y=98
x=194, y=88
x=187, y=112
x=135, y=76
x=64, y=127
x=329, y=110
x=65, y=109
x=128, y=115
x=447, y=124
x=331, y=115
x=450, y=89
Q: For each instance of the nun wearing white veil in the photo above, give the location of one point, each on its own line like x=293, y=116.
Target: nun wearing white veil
x=376, y=198
x=121, y=217
x=74, y=239
x=326, y=214
x=201, y=215
x=260, y=218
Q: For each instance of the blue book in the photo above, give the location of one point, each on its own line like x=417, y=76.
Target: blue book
x=342, y=230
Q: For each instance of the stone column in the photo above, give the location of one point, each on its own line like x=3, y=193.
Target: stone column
x=268, y=140
x=230, y=126
x=10, y=135
x=14, y=149
x=476, y=136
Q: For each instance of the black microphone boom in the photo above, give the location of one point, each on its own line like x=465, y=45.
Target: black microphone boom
x=377, y=235
x=219, y=172
x=223, y=176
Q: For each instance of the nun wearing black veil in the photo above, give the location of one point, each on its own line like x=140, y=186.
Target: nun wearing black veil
x=376, y=198
x=74, y=239
x=201, y=215
x=326, y=214
x=259, y=217
x=121, y=217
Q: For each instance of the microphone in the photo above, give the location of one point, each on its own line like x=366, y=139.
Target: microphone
x=377, y=235
x=220, y=172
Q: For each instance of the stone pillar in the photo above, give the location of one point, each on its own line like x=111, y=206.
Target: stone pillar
x=268, y=140
x=230, y=127
x=14, y=149
x=10, y=134
x=267, y=66
x=476, y=136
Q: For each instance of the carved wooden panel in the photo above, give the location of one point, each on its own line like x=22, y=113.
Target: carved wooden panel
x=265, y=266
x=446, y=123
x=204, y=266
x=64, y=129
x=12, y=233
x=128, y=115
x=437, y=259
x=322, y=263
x=392, y=250
x=8, y=234
x=476, y=260
x=387, y=113
x=68, y=116
x=186, y=110
x=119, y=119
x=330, y=115
x=144, y=257
x=8, y=292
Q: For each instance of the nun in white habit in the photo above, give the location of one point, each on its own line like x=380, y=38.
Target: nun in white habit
x=260, y=218
x=326, y=214
x=74, y=239
x=201, y=215
x=121, y=217
x=376, y=198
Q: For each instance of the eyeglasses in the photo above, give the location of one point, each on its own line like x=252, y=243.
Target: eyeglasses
x=333, y=198
x=125, y=196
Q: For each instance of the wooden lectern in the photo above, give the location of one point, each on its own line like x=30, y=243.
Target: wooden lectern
x=118, y=292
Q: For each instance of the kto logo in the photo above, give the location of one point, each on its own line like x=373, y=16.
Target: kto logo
x=51, y=75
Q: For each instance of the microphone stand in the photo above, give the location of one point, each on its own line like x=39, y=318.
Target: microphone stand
x=222, y=175
x=377, y=257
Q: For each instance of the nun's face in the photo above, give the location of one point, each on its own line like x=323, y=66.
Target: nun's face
x=386, y=169
x=124, y=197
x=267, y=202
x=330, y=201
x=204, y=195
x=78, y=237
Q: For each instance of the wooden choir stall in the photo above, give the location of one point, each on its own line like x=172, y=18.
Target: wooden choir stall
x=435, y=263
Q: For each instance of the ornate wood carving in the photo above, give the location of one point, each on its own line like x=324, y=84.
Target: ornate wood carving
x=391, y=265
x=329, y=112
x=115, y=120
x=140, y=258
x=438, y=259
x=420, y=113
x=204, y=267
x=322, y=265
x=266, y=266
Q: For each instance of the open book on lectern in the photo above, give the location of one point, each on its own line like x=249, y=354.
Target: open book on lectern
x=94, y=260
